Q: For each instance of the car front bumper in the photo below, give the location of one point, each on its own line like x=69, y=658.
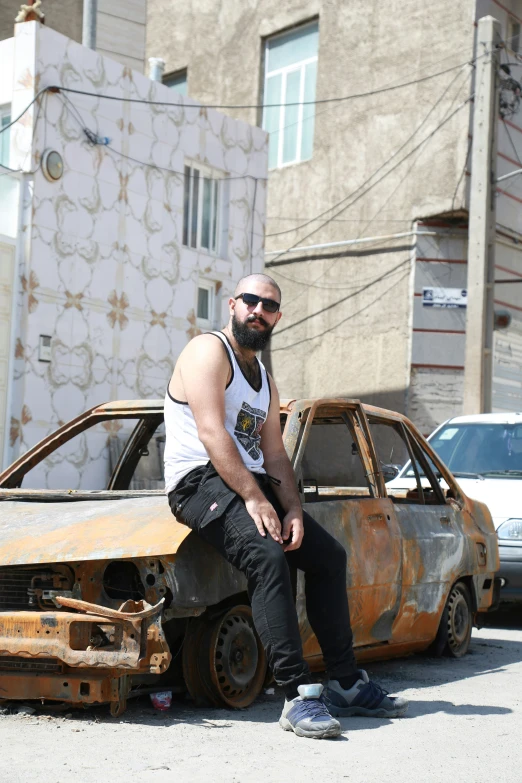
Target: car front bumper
x=510, y=571
x=80, y=657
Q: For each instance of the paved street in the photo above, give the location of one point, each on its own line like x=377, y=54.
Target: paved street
x=464, y=726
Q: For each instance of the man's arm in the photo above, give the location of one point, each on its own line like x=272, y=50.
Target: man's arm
x=204, y=370
x=279, y=466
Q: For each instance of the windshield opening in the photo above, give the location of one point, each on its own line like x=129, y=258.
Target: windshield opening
x=479, y=449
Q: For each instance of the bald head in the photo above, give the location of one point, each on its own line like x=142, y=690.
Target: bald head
x=244, y=284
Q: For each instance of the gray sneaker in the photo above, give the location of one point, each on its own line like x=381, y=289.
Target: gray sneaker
x=365, y=698
x=307, y=716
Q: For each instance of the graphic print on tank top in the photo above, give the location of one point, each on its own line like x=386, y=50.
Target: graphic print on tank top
x=248, y=429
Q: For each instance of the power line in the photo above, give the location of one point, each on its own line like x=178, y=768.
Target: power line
x=313, y=117
x=506, y=128
x=317, y=102
x=313, y=284
x=5, y=128
x=340, y=323
x=370, y=187
x=94, y=140
x=33, y=171
x=344, y=299
x=351, y=256
x=334, y=206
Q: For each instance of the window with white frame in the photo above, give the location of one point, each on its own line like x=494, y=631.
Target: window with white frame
x=5, y=119
x=290, y=77
x=202, y=208
x=205, y=305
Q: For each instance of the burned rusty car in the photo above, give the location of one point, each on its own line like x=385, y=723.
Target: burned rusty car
x=104, y=595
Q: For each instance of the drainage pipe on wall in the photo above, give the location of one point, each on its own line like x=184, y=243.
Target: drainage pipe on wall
x=89, y=23
x=361, y=241
x=156, y=68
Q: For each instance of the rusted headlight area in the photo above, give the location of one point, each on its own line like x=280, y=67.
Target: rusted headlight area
x=75, y=639
x=91, y=636
x=105, y=582
x=32, y=588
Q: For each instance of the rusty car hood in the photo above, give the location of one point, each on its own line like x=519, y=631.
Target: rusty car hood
x=85, y=526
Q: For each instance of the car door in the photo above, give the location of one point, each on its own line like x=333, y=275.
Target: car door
x=339, y=489
x=433, y=543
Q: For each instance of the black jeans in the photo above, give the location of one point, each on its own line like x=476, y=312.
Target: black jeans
x=206, y=504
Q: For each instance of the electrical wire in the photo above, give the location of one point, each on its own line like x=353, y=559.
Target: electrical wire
x=32, y=171
x=414, y=162
x=344, y=299
x=299, y=342
x=314, y=284
x=340, y=287
x=371, y=186
x=330, y=109
x=92, y=137
x=10, y=124
x=340, y=323
x=397, y=152
x=507, y=185
x=316, y=102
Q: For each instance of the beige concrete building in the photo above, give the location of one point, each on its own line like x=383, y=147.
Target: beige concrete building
x=120, y=26
x=390, y=165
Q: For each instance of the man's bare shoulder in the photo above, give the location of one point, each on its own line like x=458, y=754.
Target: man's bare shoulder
x=204, y=347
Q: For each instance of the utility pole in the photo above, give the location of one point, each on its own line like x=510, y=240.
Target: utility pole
x=478, y=369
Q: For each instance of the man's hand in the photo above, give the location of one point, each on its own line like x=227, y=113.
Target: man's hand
x=293, y=529
x=264, y=516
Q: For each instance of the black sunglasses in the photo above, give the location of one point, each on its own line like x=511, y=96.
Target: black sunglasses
x=270, y=305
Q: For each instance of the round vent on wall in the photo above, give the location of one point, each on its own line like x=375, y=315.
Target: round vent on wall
x=52, y=165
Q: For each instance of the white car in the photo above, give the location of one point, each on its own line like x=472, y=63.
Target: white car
x=484, y=453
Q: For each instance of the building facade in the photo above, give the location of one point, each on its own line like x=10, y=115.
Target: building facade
x=125, y=225
x=120, y=26
x=368, y=196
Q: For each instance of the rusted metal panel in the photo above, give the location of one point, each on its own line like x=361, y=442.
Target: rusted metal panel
x=369, y=532
x=109, y=640
x=88, y=530
x=75, y=688
x=69, y=638
x=124, y=409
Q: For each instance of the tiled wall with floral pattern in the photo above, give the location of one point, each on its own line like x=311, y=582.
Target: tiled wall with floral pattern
x=104, y=269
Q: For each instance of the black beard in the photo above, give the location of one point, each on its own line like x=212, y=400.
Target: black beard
x=250, y=338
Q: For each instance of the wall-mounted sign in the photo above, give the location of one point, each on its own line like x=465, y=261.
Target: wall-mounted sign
x=444, y=297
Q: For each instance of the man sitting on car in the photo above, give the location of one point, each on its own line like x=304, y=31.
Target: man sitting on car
x=228, y=478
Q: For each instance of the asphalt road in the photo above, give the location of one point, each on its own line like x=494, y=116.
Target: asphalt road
x=464, y=726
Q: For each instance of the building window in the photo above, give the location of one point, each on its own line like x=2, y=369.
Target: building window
x=513, y=41
x=5, y=119
x=290, y=76
x=205, y=304
x=177, y=81
x=202, y=204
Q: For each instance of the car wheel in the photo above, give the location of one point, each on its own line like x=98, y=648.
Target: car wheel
x=223, y=660
x=454, y=634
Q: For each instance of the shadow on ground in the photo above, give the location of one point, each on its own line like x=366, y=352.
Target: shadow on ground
x=487, y=654
x=508, y=617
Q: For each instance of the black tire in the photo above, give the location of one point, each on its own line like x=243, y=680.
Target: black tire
x=224, y=663
x=454, y=634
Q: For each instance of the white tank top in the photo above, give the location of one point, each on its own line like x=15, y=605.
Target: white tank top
x=245, y=413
